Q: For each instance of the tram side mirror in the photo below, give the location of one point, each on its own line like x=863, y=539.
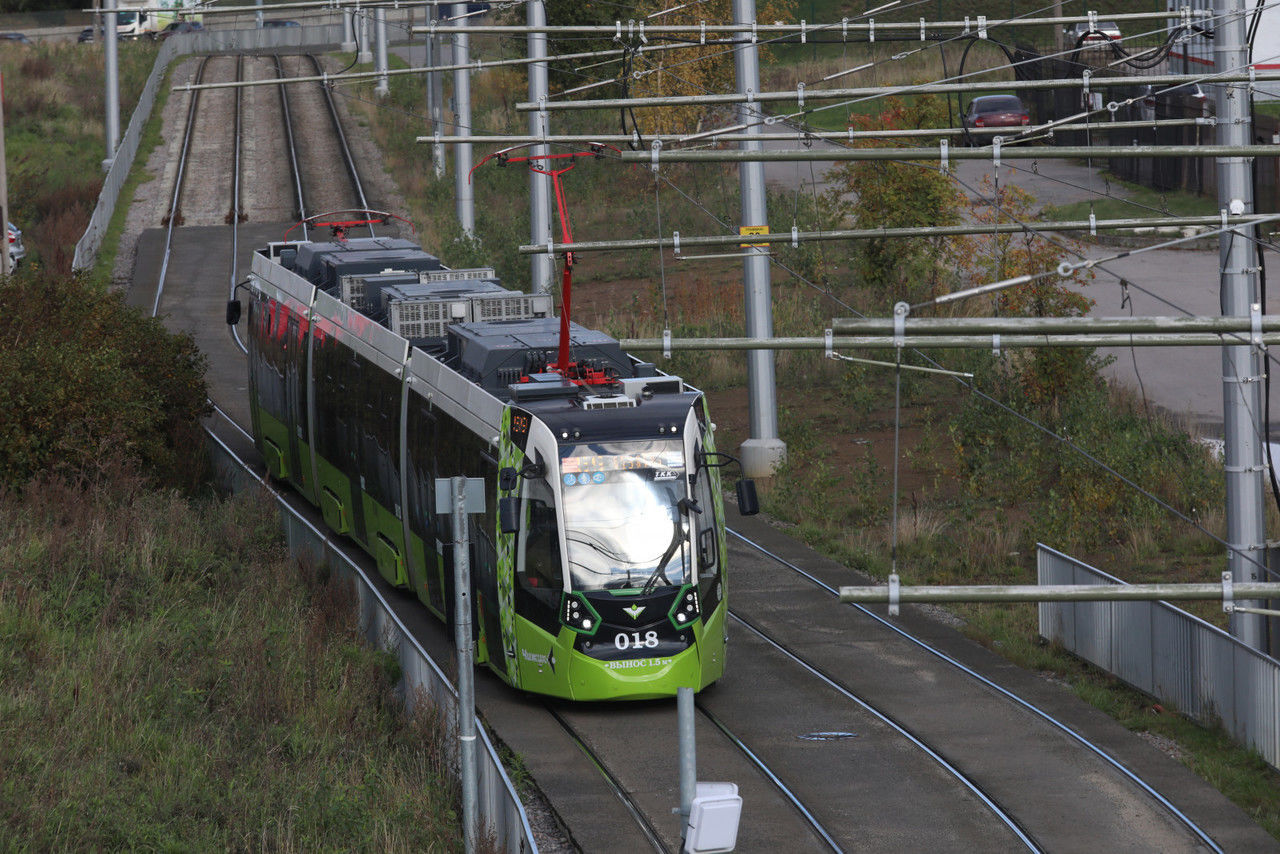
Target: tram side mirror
x=509, y=515
x=748, y=504
x=233, y=312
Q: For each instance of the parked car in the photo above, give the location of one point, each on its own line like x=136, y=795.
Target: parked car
x=1103, y=31
x=86, y=35
x=16, y=250
x=277, y=22
x=180, y=27
x=20, y=38
x=996, y=111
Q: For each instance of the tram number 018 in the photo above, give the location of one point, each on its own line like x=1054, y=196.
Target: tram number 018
x=623, y=640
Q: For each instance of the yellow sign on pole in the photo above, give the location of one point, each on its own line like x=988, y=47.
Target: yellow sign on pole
x=744, y=230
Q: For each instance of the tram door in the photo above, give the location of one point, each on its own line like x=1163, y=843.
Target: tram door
x=293, y=355
x=486, y=563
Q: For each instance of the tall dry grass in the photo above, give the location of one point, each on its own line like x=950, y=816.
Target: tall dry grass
x=172, y=681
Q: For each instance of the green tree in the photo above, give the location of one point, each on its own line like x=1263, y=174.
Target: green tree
x=889, y=194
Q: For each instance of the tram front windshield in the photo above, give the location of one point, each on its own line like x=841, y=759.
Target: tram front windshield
x=623, y=524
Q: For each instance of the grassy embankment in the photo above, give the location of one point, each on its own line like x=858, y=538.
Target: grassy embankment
x=171, y=679
x=979, y=486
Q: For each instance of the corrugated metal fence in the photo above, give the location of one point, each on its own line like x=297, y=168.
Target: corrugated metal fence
x=1163, y=651
x=208, y=41
x=501, y=812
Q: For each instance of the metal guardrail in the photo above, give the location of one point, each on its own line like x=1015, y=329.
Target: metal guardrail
x=1163, y=651
x=500, y=810
x=88, y=245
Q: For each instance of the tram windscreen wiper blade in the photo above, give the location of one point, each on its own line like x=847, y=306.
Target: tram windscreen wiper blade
x=679, y=535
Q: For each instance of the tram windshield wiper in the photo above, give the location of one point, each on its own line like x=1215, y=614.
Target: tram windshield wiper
x=679, y=536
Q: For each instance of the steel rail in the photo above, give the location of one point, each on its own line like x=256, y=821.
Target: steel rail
x=763, y=768
x=1004, y=692
x=342, y=140
x=615, y=785
x=1006, y=818
x=291, y=145
x=175, y=202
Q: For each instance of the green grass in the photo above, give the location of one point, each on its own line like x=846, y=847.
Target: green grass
x=54, y=139
x=1134, y=200
x=172, y=681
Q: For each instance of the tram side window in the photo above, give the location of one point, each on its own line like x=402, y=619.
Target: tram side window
x=422, y=444
x=542, y=573
x=328, y=395
x=708, y=534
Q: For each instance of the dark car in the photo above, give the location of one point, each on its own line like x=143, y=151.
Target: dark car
x=20, y=38
x=86, y=35
x=180, y=27
x=996, y=111
x=276, y=22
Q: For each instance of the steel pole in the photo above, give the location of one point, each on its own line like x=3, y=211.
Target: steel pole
x=687, y=242
x=111, y=58
x=763, y=452
x=381, y=89
x=435, y=101
x=257, y=15
x=348, y=31
x=1058, y=593
x=4, y=190
x=541, y=267
x=464, y=200
x=686, y=723
x=993, y=342
x=466, y=673
x=1241, y=366
x=366, y=54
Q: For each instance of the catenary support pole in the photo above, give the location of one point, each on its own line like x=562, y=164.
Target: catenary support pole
x=366, y=48
x=1241, y=365
x=452, y=496
x=464, y=199
x=257, y=15
x=348, y=44
x=763, y=451
x=4, y=189
x=688, y=743
x=111, y=58
x=542, y=267
x=381, y=89
x=435, y=99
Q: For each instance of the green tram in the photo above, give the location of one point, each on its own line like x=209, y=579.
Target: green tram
x=599, y=564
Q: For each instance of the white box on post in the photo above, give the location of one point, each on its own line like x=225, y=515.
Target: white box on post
x=713, y=819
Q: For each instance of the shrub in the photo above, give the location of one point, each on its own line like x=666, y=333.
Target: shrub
x=86, y=382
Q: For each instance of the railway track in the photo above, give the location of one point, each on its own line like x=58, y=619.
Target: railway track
x=842, y=732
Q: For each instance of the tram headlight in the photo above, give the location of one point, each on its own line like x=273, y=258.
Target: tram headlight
x=686, y=609
x=576, y=613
